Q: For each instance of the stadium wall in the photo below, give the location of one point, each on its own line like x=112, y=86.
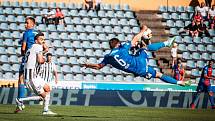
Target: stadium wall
x=136, y=4
x=113, y=98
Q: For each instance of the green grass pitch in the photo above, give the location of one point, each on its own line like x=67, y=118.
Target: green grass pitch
x=102, y=113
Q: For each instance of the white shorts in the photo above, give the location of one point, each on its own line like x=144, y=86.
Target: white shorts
x=36, y=85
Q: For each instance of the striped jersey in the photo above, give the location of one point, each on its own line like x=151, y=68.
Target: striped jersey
x=46, y=71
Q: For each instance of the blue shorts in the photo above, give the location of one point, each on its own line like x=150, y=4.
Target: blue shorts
x=203, y=88
x=21, y=68
x=147, y=71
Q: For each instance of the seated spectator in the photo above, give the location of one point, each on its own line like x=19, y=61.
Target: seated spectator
x=59, y=17
x=211, y=16
x=178, y=70
x=197, y=17
x=203, y=10
x=202, y=29
x=88, y=4
x=48, y=17
x=192, y=29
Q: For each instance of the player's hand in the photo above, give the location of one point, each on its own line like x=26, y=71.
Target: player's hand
x=56, y=81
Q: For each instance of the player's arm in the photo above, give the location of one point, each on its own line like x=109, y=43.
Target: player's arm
x=137, y=38
x=183, y=75
x=45, y=48
x=55, y=74
x=93, y=66
x=23, y=48
x=40, y=58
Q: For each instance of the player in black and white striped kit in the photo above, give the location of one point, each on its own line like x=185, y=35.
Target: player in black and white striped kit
x=36, y=84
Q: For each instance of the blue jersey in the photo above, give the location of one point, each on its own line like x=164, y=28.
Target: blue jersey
x=28, y=37
x=206, y=71
x=122, y=60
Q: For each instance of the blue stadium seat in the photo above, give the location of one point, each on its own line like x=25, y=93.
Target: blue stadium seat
x=33, y=4
x=63, y=60
x=3, y=58
x=119, y=14
x=173, y=31
x=105, y=21
x=89, y=77
x=206, y=40
x=206, y=56
x=69, y=52
x=95, y=21
x=99, y=53
x=180, y=9
x=129, y=14
x=89, y=28
x=99, y=77
x=187, y=23
x=66, y=69
x=73, y=12
x=76, y=69
x=68, y=20
x=109, y=78
x=123, y=22
x=196, y=56
x=60, y=52
x=95, y=44
x=61, y=28
x=129, y=78
x=170, y=23
x=178, y=39
x=89, y=53
x=162, y=9
x=24, y=4
x=8, y=11
x=175, y=16
x=76, y=20
x=52, y=28
x=166, y=16
x=105, y=45
x=98, y=29
x=16, y=34
x=114, y=21
x=171, y=9
x=73, y=60
x=6, y=67
x=20, y=19
x=133, y=22
x=211, y=32
x=200, y=64
x=126, y=30
x=201, y=48
x=213, y=56
x=15, y=67
x=135, y=30
x=188, y=39
x=119, y=78
x=117, y=29
x=54, y=36
x=82, y=13
x=86, y=44
x=85, y=21
x=70, y=28
x=82, y=60
x=6, y=34
x=62, y=5
x=121, y=37
x=13, y=26
x=101, y=13
x=79, y=28
x=197, y=40
x=11, y=18
x=211, y=48
x=79, y=52
x=11, y=50
x=43, y=4
x=8, y=75
x=117, y=7
x=110, y=14
x=191, y=47
x=179, y=23
x=73, y=36
x=77, y=44
x=67, y=44
x=92, y=13
x=102, y=37
x=106, y=70
x=27, y=11
x=191, y=64
x=60, y=76
x=106, y=6
x=83, y=36
x=2, y=18
x=4, y=26
x=195, y=73
x=182, y=47
x=92, y=36
x=57, y=43
x=186, y=55
x=69, y=77
x=190, y=9
x=64, y=36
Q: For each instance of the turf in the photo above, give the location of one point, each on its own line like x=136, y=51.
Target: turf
x=101, y=113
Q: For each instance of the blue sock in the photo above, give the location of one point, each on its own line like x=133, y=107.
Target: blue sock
x=21, y=91
x=155, y=46
x=168, y=79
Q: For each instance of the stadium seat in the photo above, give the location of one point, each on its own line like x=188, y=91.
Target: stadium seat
x=85, y=21
x=79, y=52
x=92, y=37
x=59, y=52
x=70, y=28
x=4, y=26
x=68, y=20
x=13, y=26
x=187, y=23
x=57, y=43
x=82, y=13
x=180, y=9
x=15, y=67
x=123, y=22
x=8, y=11
x=69, y=52
x=126, y=30
x=129, y=78
x=4, y=58
x=102, y=37
x=73, y=12
x=95, y=44
x=165, y=16
x=135, y=30
x=83, y=36
x=206, y=56
x=63, y=60
x=95, y=21
x=11, y=50
x=89, y=53
x=182, y=47
x=121, y=37
x=206, y=40
x=105, y=45
x=54, y=36
x=6, y=34
x=99, y=53
x=114, y=21
x=170, y=23
x=119, y=14
x=109, y=78
x=200, y=64
x=64, y=36
x=186, y=55
x=115, y=71
x=76, y=69
x=171, y=9
x=190, y=9
x=117, y=29
x=197, y=40
x=67, y=44
x=99, y=77
x=76, y=20
x=89, y=77
x=173, y=31
x=66, y=69
x=62, y=5
x=201, y=48
x=68, y=77
x=108, y=29
x=195, y=73
x=211, y=48
x=110, y=14
x=27, y=11
x=179, y=24
x=196, y=56
x=89, y=29
x=188, y=39
x=73, y=36
x=33, y=4
x=106, y=70
x=101, y=14
x=213, y=56
x=77, y=44
x=191, y=47
x=175, y=16
x=8, y=75
x=190, y=64
x=133, y=22
x=11, y=18
x=211, y=32
x=178, y=39
x=119, y=78
x=16, y=34
x=52, y=28
x=92, y=13
x=60, y=28
x=129, y=14
x=6, y=67
x=2, y=18
x=43, y=4
x=162, y=9
x=86, y=44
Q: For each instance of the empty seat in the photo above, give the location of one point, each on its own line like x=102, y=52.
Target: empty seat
x=186, y=55
x=126, y=30
x=197, y=40
x=86, y=44
x=73, y=12
x=13, y=26
x=119, y=14
x=179, y=23
x=85, y=21
x=66, y=69
x=76, y=20
x=210, y=48
x=57, y=43
x=191, y=64
x=96, y=44
x=191, y=47
x=165, y=16
x=119, y=78
x=173, y=31
x=190, y=9
x=200, y=64
x=77, y=44
x=70, y=28
x=79, y=28
x=92, y=36
x=15, y=67
x=63, y=60
x=79, y=52
x=129, y=14
x=101, y=37
x=182, y=47
x=196, y=56
x=92, y=13
x=83, y=36
x=170, y=23
x=171, y=9
x=69, y=52
x=73, y=60
x=64, y=36
x=61, y=28
x=101, y=13
x=82, y=13
x=129, y=78
x=11, y=50
x=54, y=36
x=89, y=77
x=105, y=21
x=69, y=77
x=206, y=56
x=114, y=21
x=98, y=29
x=180, y=9
x=99, y=53
x=89, y=29
x=89, y=52
x=4, y=58
x=59, y=52
x=117, y=29
x=109, y=78
x=67, y=44
x=162, y=9
x=13, y=59
x=76, y=69
x=6, y=67
x=175, y=16
x=195, y=73
x=8, y=75
x=135, y=30
x=133, y=22
x=201, y=48
x=206, y=40
x=110, y=14
x=95, y=21
x=188, y=39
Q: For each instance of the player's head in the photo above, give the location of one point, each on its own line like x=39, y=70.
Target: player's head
x=49, y=57
x=39, y=38
x=29, y=23
x=179, y=61
x=113, y=43
x=210, y=63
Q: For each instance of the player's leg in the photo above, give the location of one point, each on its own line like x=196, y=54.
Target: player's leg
x=211, y=98
x=165, y=78
x=21, y=86
x=159, y=45
x=199, y=89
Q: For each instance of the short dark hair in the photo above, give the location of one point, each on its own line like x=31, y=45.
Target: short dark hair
x=32, y=19
x=37, y=35
x=113, y=42
x=48, y=54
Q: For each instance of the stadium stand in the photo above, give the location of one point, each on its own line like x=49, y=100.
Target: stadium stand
x=83, y=38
